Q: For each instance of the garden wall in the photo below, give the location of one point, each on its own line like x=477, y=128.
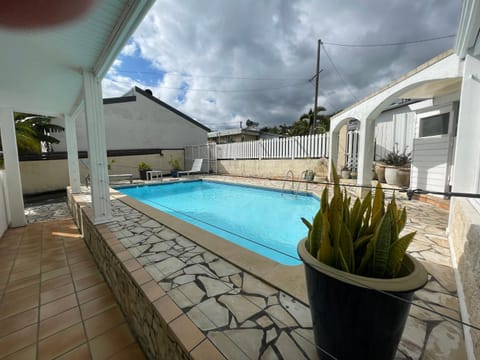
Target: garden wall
x=140, y=302
x=277, y=168
x=464, y=232
x=41, y=176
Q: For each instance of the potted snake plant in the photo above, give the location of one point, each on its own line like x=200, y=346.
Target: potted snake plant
x=360, y=281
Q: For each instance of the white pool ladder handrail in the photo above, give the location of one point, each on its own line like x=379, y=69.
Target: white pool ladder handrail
x=302, y=176
x=292, y=186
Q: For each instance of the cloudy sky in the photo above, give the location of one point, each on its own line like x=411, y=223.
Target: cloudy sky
x=223, y=61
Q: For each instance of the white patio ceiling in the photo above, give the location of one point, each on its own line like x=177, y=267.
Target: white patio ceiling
x=40, y=70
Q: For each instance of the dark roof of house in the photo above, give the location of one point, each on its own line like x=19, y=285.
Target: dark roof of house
x=122, y=99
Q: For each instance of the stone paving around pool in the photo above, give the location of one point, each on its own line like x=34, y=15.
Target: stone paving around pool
x=248, y=319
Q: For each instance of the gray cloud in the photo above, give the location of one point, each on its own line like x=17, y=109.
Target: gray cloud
x=258, y=55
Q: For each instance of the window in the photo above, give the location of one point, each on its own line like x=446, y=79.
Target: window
x=434, y=125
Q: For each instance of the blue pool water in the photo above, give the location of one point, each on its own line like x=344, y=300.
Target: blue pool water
x=264, y=221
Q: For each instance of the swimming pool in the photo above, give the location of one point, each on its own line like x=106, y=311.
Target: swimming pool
x=262, y=220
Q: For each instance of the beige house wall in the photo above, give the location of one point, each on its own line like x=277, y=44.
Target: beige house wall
x=52, y=175
x=464, y=232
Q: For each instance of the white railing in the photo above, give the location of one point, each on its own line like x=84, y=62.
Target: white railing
x=207, y=152
x=295, y=147
x=351, y=153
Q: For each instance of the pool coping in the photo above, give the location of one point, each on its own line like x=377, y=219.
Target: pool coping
x=287, y=278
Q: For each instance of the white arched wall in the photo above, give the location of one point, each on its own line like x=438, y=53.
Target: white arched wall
x=444, y=66
x=334, y=145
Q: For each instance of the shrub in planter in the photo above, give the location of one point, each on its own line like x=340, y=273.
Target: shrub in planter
x=394, y=161
x=359, y=279
x=175, y=164
x=143, y=167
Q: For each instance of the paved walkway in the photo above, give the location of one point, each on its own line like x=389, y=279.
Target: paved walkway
x=54, y=304
x=246, y=318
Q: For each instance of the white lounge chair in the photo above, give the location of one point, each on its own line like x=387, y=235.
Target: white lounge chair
x=196, y=167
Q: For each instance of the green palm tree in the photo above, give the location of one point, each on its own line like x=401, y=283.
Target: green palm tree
x=323, y=121
x=31, y=130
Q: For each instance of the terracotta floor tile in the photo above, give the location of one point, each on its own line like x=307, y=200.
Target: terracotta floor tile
x=62, y=342
x=206, y=350
x=132, y=265
x=132, y=351
x=56, y=282
x=54, y=273
x=141, y=276
x=19, y=284
x=27, y=291
x=18, y=321
x=59, y=322
x=93, y=292
x=17, y=275
x=106, y=345
x=57, y=293
x=80, y=260
x=80, y=353
x=167, y=309
x=88, y=281
x=12, y=307
x=18, y=340
x=152, y=290
x=103, y=322
x=186, y=332
x=28, y=353
x=56, y=307
x=97, y=306
x=80, y=274
x=50, y=265
x=25, y=271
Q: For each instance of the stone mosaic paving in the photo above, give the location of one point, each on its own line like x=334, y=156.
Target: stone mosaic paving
x=45, y=212
x=248, y=319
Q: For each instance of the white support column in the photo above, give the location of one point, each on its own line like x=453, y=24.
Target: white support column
x=365, y=153
x=97, y=148
x=16, y=211
x=333, y=151
x=72, y=153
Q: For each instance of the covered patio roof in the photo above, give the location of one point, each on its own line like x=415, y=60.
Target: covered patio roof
x=52, y=71
x=42, y=68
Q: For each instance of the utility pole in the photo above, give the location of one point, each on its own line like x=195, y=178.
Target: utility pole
x=317, y=75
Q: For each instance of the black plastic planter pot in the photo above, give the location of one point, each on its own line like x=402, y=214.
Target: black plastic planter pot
x=143, y=174
x=351, y=318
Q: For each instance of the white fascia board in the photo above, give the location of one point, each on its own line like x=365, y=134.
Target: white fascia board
x=127, y=23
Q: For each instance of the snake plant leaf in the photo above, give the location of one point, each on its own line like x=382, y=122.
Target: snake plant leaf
x=397, y=253
x=382, y=241
x=308, y=242
x=326, y=253
x=378, y=208
x=346, y=253
x=402, y=220
x=366, y=260
x=307, y=223
x=317, y=231
x=362, y=241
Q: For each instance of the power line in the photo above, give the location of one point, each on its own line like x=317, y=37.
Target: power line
x=339, y=74
x=390, y=44
x=210, y=76
x=305, y=82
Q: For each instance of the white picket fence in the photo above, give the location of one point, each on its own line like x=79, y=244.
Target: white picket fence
x=295, y=147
